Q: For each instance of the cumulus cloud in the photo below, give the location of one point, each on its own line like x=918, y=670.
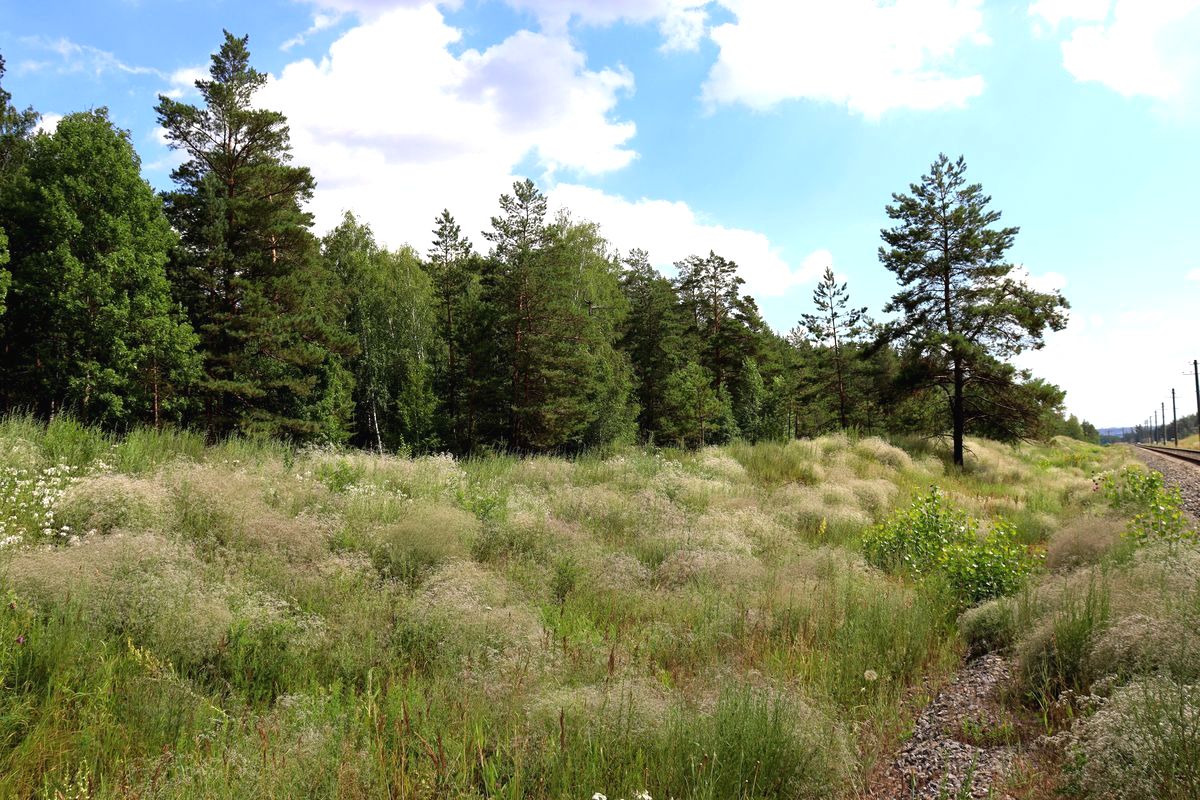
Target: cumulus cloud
x=1134, y=47
x=681, y=22
x=396, y=151
x=867, y=55
x=396, y=126
x=671, y=231
x=1045, y=282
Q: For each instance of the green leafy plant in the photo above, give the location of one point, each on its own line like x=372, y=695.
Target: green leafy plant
x=1158, y=509
x=933, y=539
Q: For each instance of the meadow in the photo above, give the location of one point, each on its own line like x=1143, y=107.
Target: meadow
x=249, y=619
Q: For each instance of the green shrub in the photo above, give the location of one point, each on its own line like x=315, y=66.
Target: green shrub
x=1158, y=511
x=932, y=539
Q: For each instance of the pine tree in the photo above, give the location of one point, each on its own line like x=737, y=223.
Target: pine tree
x=554, y=293
x=450, y=262
x=835, y=326
x=652, y=336
x=695, y=413
x=249, y=269
x=961, y=311
x=92, y=326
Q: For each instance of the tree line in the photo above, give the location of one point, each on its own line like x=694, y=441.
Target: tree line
x=214, y=305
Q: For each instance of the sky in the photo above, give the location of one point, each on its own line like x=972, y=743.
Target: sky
x=773, y=132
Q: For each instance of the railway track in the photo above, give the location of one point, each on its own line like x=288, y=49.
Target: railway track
x=1180, y=453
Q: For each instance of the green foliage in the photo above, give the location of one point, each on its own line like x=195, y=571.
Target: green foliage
x=989, y=627
x=1158, y=510
x=694, y=413
x=390, y=312
x=962, y=312
x=933, y=539
x=248, y=269
x=1057, y=656
x=91, y=325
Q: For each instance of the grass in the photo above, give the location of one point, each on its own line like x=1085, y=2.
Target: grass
x=246, y=619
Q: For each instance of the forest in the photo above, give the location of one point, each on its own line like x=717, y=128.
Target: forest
x=215, y=306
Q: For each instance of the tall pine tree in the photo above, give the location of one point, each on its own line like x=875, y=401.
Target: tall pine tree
x=652, y=336
x=961, y=310
x=249, y=269
x=450, y=265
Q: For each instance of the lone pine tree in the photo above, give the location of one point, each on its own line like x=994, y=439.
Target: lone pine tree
x=248, y=268
x=961, y=310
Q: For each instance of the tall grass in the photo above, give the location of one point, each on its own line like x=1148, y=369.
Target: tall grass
x=246, y=619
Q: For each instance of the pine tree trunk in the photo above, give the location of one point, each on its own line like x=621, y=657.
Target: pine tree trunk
x=959, y=412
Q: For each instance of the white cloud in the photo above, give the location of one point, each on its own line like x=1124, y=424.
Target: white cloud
x=1134, y=47
x=1116, y=369
x=183, y=81
x=397, y=149
x=321, y=22
x=671, y=231
x=868, y=55
x=74, y=58
x=1194, y=275
x=1045, y=282
x=48, y=123
x=1054, y=12
x=681, y=22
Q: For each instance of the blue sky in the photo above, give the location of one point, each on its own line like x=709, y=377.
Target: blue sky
x=772, y=131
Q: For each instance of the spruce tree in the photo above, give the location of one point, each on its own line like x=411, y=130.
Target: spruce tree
x=249, y=269
x=961, y=311
x=92, y=327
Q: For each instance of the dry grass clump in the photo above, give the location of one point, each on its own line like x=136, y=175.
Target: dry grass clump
x=995, y=462
x=1082, y=542
x=215, y=508
x=635, y=704
x=1141, y=644
x=1141, y=745
x=543, y=472
x=618, y=572
x=474, y=606
x=718, y=567
x=426, y=537
x=879, y=451
x=716, y=464
x=139, y=585
x=105, y=503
